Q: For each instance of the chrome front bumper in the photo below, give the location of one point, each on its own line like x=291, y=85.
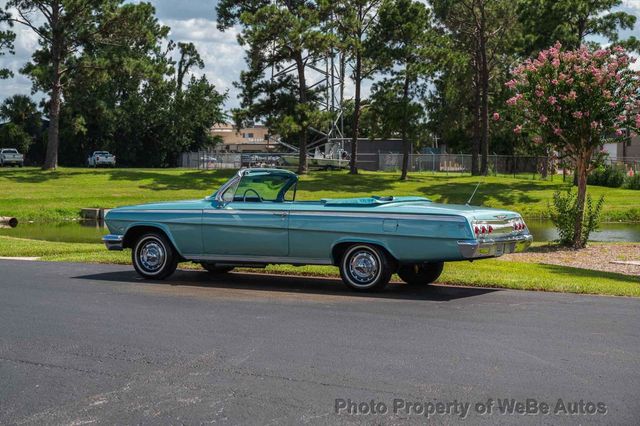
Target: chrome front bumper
x=478, y=249
x=113, y=242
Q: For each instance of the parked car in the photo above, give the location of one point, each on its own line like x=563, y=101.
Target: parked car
x=254, y=219
x=11, y=157
x=101, y=158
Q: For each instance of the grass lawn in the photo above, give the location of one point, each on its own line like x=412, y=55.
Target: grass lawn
x=31, y=194
x=486, y=273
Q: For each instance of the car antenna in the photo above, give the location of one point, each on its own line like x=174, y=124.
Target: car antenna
x=474, y=193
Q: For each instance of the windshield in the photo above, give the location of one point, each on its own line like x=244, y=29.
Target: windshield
x=101, y=153
x=10, y=151
x=262, y=187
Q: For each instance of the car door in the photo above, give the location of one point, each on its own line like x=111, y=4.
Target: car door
x=243, y=228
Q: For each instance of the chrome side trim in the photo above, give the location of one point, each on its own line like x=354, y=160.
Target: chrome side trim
x=443, y=218
x=113, y=242
x=234, y=211
x=237, y=259
x=194, y=211
x=478, y=249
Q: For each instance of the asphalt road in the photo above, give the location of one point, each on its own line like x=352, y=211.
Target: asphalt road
x=84, y=344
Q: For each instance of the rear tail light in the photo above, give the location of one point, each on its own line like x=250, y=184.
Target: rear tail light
x=519, y=225
x=482, y=229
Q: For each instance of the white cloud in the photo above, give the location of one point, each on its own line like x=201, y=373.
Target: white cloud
x=632, y=4
x=220, y=51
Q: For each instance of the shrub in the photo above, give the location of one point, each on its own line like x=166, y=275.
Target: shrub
x=610, y=176
x=564, y=213
x=632, y=182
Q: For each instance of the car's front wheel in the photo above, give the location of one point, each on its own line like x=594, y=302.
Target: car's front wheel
x=420, y=273
x=153, y=256
x=365, y=267
x=214, y=269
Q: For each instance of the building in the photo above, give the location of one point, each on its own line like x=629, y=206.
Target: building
x=250, y=139
x=623, y=151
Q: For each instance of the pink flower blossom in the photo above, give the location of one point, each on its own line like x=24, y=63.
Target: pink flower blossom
x=552, y=100
x=518, y=129
x=554, y=82
x=572, y=95
x=557, y=131
x=594, y=124
x=496, y=116
x=619, y=132
x=539, y=93
x=511, y=84
x=543, y=119
x=612, y=104
x=577, y=114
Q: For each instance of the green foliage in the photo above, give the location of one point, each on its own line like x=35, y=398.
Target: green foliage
x=610, y=176
x=564, y=214
x=23, y=129
x=632, y=182
x=280, y=35
x=403, y=45
x=7, y=37
x=13, y=136
x=571, y=21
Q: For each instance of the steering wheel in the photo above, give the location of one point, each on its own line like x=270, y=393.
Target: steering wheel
x=244, y=196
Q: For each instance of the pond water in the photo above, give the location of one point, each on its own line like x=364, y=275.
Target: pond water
x=91, y=231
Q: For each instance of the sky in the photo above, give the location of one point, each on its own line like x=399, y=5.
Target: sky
x=190, y=21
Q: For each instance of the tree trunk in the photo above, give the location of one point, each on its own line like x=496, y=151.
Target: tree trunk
x=303, y=167
x=484, y=109
x=475, y=148
x=406, y=144
x=581, y=173
x=53, y=141
x=353, y=166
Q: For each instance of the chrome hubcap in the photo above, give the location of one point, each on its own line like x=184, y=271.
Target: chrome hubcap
x=152, y=256
x=363, y=267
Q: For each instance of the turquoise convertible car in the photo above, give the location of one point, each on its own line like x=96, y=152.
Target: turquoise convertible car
x=254, y=220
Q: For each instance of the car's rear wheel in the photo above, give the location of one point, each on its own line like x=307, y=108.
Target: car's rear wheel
x=420, y=273
x=365, y=267
x=214, y=269
x=153, y=256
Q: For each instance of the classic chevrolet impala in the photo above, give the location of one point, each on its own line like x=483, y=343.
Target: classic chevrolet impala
x=255, y=220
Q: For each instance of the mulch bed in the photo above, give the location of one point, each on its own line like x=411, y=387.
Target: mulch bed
x=597, y=256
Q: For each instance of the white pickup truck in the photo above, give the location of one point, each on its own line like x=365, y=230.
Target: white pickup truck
x=101, y=158
x=11, y=157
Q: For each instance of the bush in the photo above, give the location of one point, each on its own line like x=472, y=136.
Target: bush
x=564, y=213
x=609, y=176
x=632, y=182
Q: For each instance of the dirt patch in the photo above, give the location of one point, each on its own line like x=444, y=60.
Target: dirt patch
x=598, y=257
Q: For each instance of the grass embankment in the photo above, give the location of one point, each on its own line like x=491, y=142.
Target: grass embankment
x=32, y=194
x=486, y=273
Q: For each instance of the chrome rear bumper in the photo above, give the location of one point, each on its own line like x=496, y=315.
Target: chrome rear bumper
x=478, y=249
x=113, y=242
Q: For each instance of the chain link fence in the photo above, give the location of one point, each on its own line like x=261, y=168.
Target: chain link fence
x=435, y=163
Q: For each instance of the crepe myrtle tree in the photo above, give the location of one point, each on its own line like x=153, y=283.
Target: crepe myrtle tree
x=575, y=101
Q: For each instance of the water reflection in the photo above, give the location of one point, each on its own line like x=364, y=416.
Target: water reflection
x=543, y=230
x=84, y=231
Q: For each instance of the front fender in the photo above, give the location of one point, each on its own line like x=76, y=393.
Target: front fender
x=160, y=226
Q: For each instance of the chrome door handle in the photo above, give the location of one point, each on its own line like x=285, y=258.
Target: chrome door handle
x=281, y=214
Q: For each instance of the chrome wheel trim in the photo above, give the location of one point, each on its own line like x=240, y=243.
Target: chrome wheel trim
x=151, y=255
x=362, y=266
